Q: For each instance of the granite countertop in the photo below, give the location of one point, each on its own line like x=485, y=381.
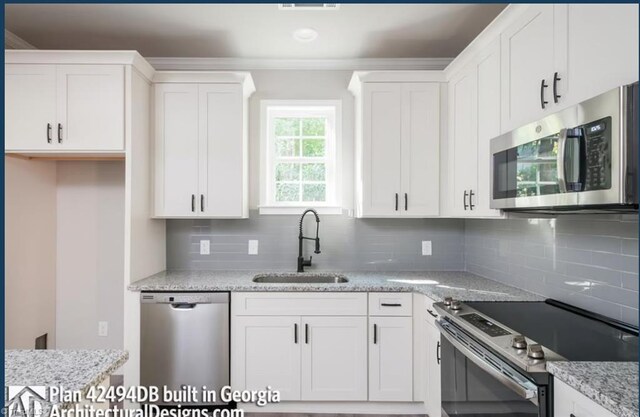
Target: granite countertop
x=73, y=370
x=613, y=385
x=434, y=284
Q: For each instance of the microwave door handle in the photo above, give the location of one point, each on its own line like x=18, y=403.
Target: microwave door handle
x=562, y=144
x=515, y=386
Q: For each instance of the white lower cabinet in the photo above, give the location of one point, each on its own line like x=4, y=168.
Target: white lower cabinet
x=567, y=402
x=334, y=359
x=433, y=390
x=390, y=359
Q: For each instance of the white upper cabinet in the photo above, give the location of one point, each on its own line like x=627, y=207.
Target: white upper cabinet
x=64, y=108
x=201, y=145
x=533, y=50
x=397, y=144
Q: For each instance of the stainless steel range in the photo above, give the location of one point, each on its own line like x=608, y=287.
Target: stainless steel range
x=494, y=354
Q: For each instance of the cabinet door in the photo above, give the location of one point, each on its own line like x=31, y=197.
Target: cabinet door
x=488, y=125
x=222, y=151
x=529, y=49
x=602, y=50
x=29, y=107
x=433, y=395
x=382, y=130
x=463, y=147
x=176, y=150
x=390, y=359
x=420, y=149
x=334, y=358
x=90, y=107
x=265, y=351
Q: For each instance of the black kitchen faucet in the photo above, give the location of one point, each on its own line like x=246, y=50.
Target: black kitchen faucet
x=301, y=261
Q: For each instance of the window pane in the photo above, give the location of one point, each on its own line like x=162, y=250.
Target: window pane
x=287, y=147
x=287, y=172
x=313, y=172
x=287, y=192
x=313, y=192
x=313, y=147
x=288, y=126
x=313, y=126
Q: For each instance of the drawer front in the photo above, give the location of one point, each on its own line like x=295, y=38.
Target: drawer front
x=568, y=402
x=390, y=304
x=299, y=304
x=430, y=313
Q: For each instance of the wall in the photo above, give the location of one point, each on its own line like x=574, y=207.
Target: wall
x=30, y=252
x=590, y=261
x=90, y=267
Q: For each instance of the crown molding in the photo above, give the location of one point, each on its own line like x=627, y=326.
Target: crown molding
x=13, y=41
x=247, y=64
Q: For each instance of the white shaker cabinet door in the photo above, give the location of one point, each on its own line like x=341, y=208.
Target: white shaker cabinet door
x=90, y=107
x=176, y=150
x=390, y=359
x=433, y=394
x=420, y=149
x=265, y=351
x=334, y=358
x=30, y=107
x=381, y=162
x=222, y=151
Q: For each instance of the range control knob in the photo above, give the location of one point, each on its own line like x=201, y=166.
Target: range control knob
x=447, y=301
x=535, y=352
x=519, y=342
x=455, y=305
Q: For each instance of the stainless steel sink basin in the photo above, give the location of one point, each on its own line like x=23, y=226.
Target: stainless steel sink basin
x=305, y=278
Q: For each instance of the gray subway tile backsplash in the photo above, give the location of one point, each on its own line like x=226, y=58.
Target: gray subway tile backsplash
x=590, y=261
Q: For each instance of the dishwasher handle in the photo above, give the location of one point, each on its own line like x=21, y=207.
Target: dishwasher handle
x=183, y=306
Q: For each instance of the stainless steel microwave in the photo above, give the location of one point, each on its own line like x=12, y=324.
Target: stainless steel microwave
x=581, y=158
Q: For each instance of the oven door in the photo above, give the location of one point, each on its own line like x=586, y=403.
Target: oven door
x=478, y=383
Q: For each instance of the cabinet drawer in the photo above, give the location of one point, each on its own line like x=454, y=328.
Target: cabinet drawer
x=390, y=304
x=568, y=402
x=430, y=313
x=299, y=304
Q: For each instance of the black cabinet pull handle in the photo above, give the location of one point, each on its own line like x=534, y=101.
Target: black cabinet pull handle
x=438, y=353
x=306, y=333
x=391, y=304
x=434, y=315
x=48, y=132
x=556, y=96
x=471, y=194
x=375, y=333
x=59, y=132
x=201, y=202
x=295, y=333
x=464, y=200
x=396, y=201
x=406, y=202
x=543, y=102
x=193, y=203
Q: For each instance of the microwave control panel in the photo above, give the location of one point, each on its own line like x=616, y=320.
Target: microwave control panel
x=597, y=137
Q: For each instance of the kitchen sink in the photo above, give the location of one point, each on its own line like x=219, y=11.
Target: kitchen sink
x=292, y=278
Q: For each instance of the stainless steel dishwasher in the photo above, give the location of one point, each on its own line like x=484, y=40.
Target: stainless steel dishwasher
x=185, y=340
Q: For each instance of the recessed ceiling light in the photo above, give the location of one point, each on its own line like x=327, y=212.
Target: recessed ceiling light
x=305, y=35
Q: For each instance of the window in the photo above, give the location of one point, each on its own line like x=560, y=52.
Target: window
x=299, y=156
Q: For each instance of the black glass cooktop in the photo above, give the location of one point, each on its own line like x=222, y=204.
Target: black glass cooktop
x=568, y=333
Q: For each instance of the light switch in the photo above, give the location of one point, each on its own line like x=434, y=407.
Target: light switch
x=253, y=247
x=205, y=247
x=103, y=328
x=426, y=248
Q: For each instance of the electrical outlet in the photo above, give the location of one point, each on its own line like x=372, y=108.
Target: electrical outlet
x=426, y=248
x=103, y=328
x=205, y=247
x=253, y=247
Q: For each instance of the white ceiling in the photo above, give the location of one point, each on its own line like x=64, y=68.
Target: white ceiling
x=253, y=30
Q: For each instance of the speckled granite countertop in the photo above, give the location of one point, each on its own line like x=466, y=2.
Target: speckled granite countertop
x=73, y=370
x=436, y=285
x=613, y=385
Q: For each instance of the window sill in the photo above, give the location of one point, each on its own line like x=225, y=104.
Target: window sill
x=278, y=210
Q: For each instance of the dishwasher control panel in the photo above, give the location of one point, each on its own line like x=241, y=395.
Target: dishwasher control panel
x=184, y=298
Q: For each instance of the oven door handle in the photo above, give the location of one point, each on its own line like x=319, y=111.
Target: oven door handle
x=515, y=386
x=562, y=145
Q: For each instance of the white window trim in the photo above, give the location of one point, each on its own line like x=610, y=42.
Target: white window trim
x=267, y=206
